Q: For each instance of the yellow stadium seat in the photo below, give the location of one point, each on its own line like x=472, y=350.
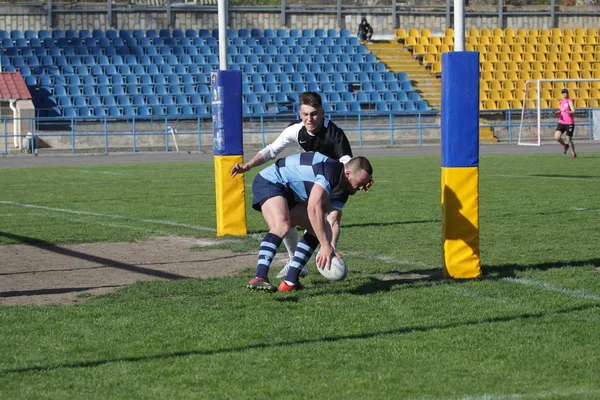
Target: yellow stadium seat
x=487, y=75
x=585, y=75
x=554, y=103
x=532, y=32
x=553, y=48
x=546, y=94
x=499, y=66
x=537, y=66
x=482, y=105
x=495, y=85
x=433, y=49
x=493, y=48
x=588, y=48
x=486, y=66
x=520, y=84
x=429, y=58
x=423, y=40
x=419, y=50
x=519, y=94
x=413, y=32
x=573, y=66
x=485, y=32
x=580, y=103
x=425, y=32
x=595, y=94
x=511, y=76
x=550, y=66
x=449, y=32
x=541, y=57
x=496, y=39
x=556, y=92
x=579, y=40
x=507, y=95
x=516, y=104
x=528, y=48
x=502, y=104
x=519, y=40
x=580, y=32
x=509, y=32
x=544, y=103
x=531, y=40
x=546, y=85
x=498, y=32
x=545, y=40
x=528, y=57
x=449, y=40
x=583, y=94
x=493, y=57
x=525, y=66
x=576, y=57
x=552, y=57
x=493, y=95
x=521, y=32
x=444, y=48
x=473, y=40
x=556, y=40
x=484, y=40
x=400, y=33
x=585, y=65
x=591, y=32
x=567, y=32
x=512, y=66
x=482, y=95
x=571, y=85
x=516, y=57
x=499, y=75
x=469, y=47
x=555, y=75
x=473, y=32
x=509, y=40
x=596, y=74
x=567, y=40
x=544, y=32
x=556, y=32
x=566, y=48
x=504, y=57
x=541, y=48
x=410, y=41
x=594, y=103
x=574, y=75
x=591, y=40
x=584, y=85
x=436, y=67
x=483, y=85
x=537, y=75
x=530, y=104
x=490, y=105
x=437, y=40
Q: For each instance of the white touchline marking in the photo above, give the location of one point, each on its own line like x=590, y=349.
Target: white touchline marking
x=538, y=395
x=388, y=260
x=541, y=285
x=584, y=209
x=87, y=171
x=568, y=178
x=88, y=221
x=151, y=221
x=112, y=182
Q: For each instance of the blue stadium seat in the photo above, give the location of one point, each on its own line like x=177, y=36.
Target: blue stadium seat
x=187, y=110
x=128, y=111
x=114, y=112
x=143, y=111
x=152, y=100
x=172, y=110
x=191, y=33
x=158, y=110
x=83, y=112
x=69, y=112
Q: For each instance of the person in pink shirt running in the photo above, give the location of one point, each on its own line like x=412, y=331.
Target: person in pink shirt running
x=566, y=123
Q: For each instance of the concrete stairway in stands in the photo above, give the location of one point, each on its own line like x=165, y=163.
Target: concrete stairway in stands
x=427, y=84
x=397, y=59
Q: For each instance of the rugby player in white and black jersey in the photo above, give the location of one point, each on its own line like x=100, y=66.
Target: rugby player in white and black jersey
x=313, y=133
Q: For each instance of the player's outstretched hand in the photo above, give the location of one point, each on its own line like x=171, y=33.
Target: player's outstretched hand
x=324, y=256
x=557, y=113
x=239, y=168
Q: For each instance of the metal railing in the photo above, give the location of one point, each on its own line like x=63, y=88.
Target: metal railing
x=169, y=133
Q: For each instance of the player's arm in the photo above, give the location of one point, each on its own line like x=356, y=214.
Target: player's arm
x=334, y=217
x=571, y=107
x=316, y=207
x=289, y=135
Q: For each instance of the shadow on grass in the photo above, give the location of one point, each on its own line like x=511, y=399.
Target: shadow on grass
x=42, y=244
x=386, y=282
x=327, y=339
x=38, y=292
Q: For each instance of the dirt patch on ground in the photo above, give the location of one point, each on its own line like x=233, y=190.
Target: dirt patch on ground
x=64, y=274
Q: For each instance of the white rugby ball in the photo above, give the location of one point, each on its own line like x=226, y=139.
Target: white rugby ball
x=338, y=270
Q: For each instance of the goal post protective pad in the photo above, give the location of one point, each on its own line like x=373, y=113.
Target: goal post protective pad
x=226, y=94
x=460, y=165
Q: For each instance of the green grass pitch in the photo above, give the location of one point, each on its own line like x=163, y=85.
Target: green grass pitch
x=528, y=329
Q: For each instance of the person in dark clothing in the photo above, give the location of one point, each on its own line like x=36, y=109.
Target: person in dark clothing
x=365, y=31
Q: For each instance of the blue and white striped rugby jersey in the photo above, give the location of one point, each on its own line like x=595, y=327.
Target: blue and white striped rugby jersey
x=301, y=171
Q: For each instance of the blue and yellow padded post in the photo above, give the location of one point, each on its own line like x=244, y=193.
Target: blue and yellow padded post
x=460, y=165
x=226, y=92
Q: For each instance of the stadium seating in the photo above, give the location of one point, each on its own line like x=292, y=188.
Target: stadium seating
x=123, y=73
x=509, y=58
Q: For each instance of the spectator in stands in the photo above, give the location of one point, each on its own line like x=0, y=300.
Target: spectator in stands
x=365, y=31
x=566, y=123
x=313, y=133
x=299, y=190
